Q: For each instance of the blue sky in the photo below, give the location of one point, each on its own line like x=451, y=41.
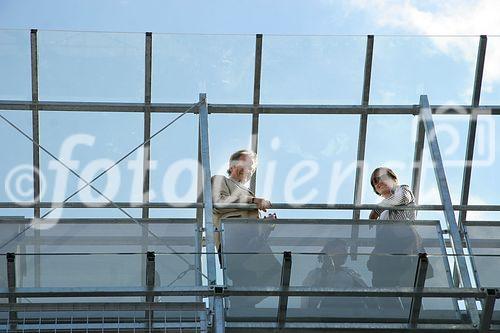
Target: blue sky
x=326, y=68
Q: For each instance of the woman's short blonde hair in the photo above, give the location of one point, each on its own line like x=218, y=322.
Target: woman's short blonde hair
x=236, y=157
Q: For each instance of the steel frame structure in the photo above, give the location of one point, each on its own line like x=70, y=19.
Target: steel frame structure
x=424, y=111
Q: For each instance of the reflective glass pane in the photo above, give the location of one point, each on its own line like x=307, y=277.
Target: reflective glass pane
x=484, y=178
x=15, y=65
x=307, y=159
x=312, y=69
x=451, y=133
x=91, y=66
x=174, y=159
x=389, y=143
x=485, y=247
x=406, y=67
x=312, y=236
x=490, y=89
x=228, y=133
x=97, y=270
x=16, y=169
x=90, y=143
x=252, y=270
x=186, y=65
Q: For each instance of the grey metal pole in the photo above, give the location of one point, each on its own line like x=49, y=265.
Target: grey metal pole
x=256, y=101
x=150, y=284
x=444, y=193
x=216, y=301
x=416, y=302
x=471, y=135
x=36, y=151
x=11, y=283
x=286, y=269
x=488, y=307
x=146, y=157
x=360, y=159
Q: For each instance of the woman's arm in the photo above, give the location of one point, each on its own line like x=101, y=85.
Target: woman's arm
x=402, y=196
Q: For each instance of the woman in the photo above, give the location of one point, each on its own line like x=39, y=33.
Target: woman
x=385, y=183
x=393, y=261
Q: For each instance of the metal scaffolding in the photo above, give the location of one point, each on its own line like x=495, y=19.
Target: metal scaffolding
x=203, y=305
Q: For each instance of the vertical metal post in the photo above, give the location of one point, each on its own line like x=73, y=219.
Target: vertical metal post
x=417, y=159
x=471, y=135
x=256, y=101
x=286, y=269
x=36, y=151
x=360, y=159
x=444, y=194
x=488, y=307
x=147, y=123
x=416, y=302
x=199, y=217
x=147, y=146
x=150, y=284
x=11, y=283
x=207, y=191
x=216, y=303
x=218, y=323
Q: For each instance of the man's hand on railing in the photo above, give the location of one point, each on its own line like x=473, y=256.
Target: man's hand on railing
x=262, y=203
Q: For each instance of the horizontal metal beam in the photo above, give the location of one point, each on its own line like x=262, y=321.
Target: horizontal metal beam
x=17, y=220
x=346, y=222
x=189, y=205
x=206, y=291
x=107, y=327
x=307, y=327
x=101, y=205
x=110, y=306
x=243, y=108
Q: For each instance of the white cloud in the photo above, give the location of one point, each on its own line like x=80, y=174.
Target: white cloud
x=455, y=18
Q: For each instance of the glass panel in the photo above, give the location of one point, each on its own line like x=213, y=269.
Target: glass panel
x=186, y=65
x=228, y=133
x=173, y=270
x=490, y=89
x=406, y=67
x=3, y=272
x=15, y=65
x=172, y=212
x=485, y=246
x=316, y=166
x=96, y=235
x=496, y=313
x=311, y=236
x=16, y=169
x=396, y=153
x=91, y=66
x=97, y=270
x=89, y=143
x=451, y=132
x=338, y=271
x=312, y=70
x=174, y=159
x=484, y=179
x=252, y=270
